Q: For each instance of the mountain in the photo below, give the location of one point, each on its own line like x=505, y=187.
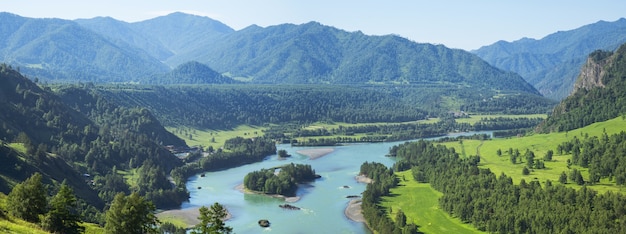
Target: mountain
x=600, y=93
x=552, y=63
x=191, y=73
x=181, y=33
x=107, y=50
x=122, y=33
x=314, y=53
x=72, y=132
x=62, y=50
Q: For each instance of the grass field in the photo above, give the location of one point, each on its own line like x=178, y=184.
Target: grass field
x=215, y=138
x=539, y=144
x=419, y=202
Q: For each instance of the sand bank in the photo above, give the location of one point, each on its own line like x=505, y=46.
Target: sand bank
x=363, y=179
x=353, y=211
x=316, y=152
x=188, y=215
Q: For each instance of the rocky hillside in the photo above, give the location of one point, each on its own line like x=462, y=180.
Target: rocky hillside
x=552, y=64
x=600, y=93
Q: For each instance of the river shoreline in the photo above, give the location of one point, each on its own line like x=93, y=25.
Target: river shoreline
x=189, y=216
x=242, y=189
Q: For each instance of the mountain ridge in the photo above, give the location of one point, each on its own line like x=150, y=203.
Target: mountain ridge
x=552, y=63
x=309, y=53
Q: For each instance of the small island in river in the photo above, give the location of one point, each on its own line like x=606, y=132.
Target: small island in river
x=279, y=181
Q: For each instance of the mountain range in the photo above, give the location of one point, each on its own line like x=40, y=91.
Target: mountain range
x=551, y=64
x=107, y=50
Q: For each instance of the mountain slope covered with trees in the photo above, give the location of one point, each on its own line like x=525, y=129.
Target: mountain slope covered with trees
x=600, y=93
x=551, y=64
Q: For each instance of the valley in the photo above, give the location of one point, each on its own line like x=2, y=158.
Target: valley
x=104, y=121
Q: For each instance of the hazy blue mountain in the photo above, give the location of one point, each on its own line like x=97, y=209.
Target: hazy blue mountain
x=315, y=53
x=180, y=32
x=56, y=49
x=191, y=73
x=552, y=63
x=120, y=32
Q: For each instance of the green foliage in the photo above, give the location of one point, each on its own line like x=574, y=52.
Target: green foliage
x=597, y=104
x=283, y=182
x=63, y=216
x=27, y=200
x=130, y=214
x=552, y=63
x=212, y=220
x=476, y=195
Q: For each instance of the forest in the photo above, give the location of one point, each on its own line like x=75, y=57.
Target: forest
x=493, y=203
x=283, y=180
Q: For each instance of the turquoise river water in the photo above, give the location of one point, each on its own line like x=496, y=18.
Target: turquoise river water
x=322, y=202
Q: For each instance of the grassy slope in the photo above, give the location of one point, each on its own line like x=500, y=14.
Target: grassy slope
x=204, y=137
x=420, y=204
x=540, y=144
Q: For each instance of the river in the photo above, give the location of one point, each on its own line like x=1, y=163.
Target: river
x=322, y=202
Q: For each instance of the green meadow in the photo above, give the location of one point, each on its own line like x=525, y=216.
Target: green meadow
x=539, y=144
x=215, y=138
x=420, y=204
x=419, y=201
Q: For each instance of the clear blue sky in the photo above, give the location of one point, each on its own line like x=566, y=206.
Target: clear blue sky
x=463, y=24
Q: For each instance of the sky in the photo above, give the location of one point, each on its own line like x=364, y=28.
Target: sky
x=460, y=24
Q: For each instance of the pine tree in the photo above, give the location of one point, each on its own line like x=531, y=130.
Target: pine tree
x=27, y=200
x=62, y=217
x=130, y=214
x=211, y=220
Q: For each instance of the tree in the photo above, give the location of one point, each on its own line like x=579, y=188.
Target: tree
x=130, y=214
x=525, y=171
x=63, y=216
x=212, y=220
x=27, y=200
x=283, y=153
x=400, y=219
x=548, y=156
x=563, y=178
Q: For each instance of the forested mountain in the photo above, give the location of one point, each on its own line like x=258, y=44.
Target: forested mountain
x=122, y=33
x=600, y=93
x=107, y=50
x=181, y=33
x=73, y=132
x=315, y=53
x=190, y=73
x=552, y=63
x=62, y=50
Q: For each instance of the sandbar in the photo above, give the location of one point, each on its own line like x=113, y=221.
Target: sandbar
x=353, y=211
x=316, y=152
x=188, y=215
x=363, y=179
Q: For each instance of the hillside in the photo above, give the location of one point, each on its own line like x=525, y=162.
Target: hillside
x=72, y=132
x=106, y=50
x=190, y=73
x=313, y=53
x=600, y=94
x=551, y=64
x=62, y=50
